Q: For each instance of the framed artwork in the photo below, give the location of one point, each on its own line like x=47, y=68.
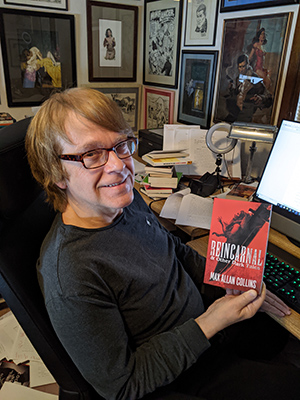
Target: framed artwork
x=38, y=51
x=158, y=107
x=236, y=5
x=57, y=4
x=253, y=51
x=128, y=99
x=162, y=42
x=198, y=70
x=112, y=41
x=201, y=22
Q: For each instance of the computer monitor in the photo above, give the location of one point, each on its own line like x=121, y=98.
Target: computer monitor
x=279, y=183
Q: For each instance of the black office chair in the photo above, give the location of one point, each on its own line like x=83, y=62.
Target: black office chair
x=25, y=219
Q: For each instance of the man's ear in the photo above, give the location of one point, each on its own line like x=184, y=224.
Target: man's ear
x=62, y=184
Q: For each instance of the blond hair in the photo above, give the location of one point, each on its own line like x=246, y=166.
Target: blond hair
x=48, y=127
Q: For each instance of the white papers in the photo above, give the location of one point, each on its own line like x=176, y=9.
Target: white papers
x=13, y=391
x=188, y=209
x=192, y=138
x=15, y=345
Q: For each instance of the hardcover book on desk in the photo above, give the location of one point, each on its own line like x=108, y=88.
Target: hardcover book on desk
x=237, y=244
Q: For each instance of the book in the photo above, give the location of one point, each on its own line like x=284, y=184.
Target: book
x=167, y=154
x=157, y=190
x=163, y=182
x=241, y=191
x=166, y=161
x=6, y=119
x=159, y=171
x=237, y=244
x=155, y=195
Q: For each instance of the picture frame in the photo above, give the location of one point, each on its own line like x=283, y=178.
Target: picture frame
x=201, y=22
x=158, y=107
x=162, y=37
x=238, y=5
x=128, y=99
x=197, y=80
x=36, y=60
x=57, y=4
x=253, y=51
x=112, y=41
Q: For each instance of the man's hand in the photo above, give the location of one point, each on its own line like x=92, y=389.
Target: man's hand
x=229, y=310
x=272, y=303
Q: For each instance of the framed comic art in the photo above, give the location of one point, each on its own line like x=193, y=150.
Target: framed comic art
x=200, y=24
x=112, y=41
x=158, y=107
x=128, y=99
x=162, y=35
x=237, y=5
x=38, y=52
x=198, y=70
x=57, y=4
x=253, y=51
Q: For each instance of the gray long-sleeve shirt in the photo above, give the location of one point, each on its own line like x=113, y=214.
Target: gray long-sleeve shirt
x=122, y=299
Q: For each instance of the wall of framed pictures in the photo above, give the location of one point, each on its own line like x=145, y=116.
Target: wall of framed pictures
x=164, y=33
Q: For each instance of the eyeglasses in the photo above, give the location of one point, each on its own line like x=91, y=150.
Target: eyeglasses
x=98, y=157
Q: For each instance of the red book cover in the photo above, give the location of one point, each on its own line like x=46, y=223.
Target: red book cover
x=237, y=244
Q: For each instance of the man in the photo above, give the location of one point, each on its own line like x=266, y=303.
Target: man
x=248, y=94
x=122, y=292
x=201, y=20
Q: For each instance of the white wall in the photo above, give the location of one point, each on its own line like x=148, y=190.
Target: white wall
x=78, y=8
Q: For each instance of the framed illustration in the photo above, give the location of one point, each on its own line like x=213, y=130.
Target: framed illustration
x=57, y=4
x=201, y=22
x=198, y=70
x=128, y=99
x=253, y=51
x=38, y=51
x=162, y=42
x=158, y=107
x=112, y=41
x=237, y=5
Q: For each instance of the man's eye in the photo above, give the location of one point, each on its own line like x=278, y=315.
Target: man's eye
x=93, y=153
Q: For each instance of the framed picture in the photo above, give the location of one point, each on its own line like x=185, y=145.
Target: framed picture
x=200, y=25
x=112, y=41
x=253, y=51
x=236, y=5
x=158, y=107
x=57, y=4
x=38, y=51
x=162, y=42
x=198, y=70
x=128, y=99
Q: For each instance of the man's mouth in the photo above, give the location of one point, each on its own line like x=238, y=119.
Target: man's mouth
x=114, y=184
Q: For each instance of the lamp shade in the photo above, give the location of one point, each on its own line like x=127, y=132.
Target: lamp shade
x=253, y=132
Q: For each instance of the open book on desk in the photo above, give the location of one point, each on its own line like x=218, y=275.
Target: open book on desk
x=188, y=209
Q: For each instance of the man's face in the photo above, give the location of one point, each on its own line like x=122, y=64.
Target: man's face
x=200, y=17
x=242, y=67
x=104, y=191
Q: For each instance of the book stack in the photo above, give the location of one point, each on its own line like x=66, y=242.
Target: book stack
x=6, y=119
x=159, y=158
x=160, y=182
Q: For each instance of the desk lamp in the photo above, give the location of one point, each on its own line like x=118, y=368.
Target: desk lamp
x=240, y=131
x=254, y=133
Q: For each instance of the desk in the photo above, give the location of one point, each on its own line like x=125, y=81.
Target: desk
x=282, y=248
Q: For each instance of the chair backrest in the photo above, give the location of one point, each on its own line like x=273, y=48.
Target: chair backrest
x=25, y=218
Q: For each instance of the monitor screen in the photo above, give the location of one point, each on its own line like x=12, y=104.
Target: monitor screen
x=279, y=184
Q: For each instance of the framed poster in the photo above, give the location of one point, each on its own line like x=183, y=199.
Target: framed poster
x=198, y=70
x=162, y=42
x=57, y=4
x=38, y=52
x=158, y=107
x=201, y=22
x=253, y=51
x=237, y=5
x=128, y=99
x=112, y=41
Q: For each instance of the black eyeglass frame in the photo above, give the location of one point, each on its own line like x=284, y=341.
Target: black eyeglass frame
x=80, y=157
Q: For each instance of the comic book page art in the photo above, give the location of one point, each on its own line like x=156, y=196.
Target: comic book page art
x=158, y=108
x=237, y=244
x=252, y=56
x=162, y=40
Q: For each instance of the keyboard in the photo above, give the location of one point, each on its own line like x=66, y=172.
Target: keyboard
x=283, y=280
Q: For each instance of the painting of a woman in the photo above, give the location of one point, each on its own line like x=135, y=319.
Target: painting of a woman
x=110, y=43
